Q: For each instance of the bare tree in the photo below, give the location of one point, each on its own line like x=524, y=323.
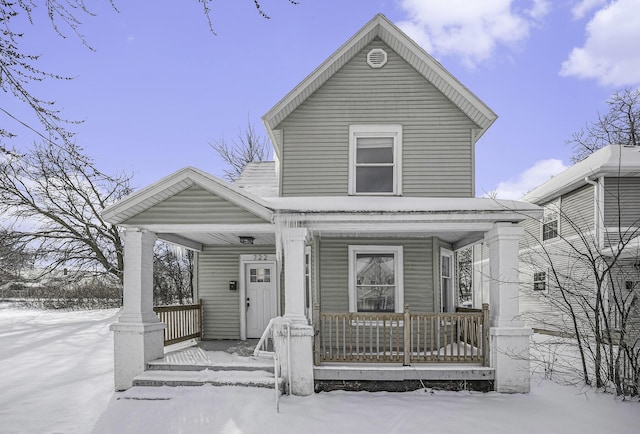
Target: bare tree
x=591, y=295
x=248, y=147
x=19, y=69
x=173, y=274
x=619, y=126
x=56, y=194
x=14, y=258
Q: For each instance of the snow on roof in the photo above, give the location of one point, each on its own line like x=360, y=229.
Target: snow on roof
x=259, y=178
x=392, y=204
x=612, y=160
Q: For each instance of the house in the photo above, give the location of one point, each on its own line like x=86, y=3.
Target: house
x=348, y=238
x=591, y=208
x=580, y=263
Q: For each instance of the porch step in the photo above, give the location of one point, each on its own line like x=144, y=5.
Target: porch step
x=247, y=364
x=246, y=378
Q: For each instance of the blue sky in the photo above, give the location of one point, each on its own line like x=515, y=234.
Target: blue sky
x=159, y=86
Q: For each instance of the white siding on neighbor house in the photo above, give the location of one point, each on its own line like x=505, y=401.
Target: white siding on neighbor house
x=629, y=204
x=216, y=267
x=577, y=211
x=437, y=151
x=334, y=271
x=197, y=206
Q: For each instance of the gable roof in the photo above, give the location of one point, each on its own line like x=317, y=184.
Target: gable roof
x=612, y=160
x=177, y=182
x=407, y=49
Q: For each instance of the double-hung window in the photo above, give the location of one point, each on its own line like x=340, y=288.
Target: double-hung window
x=375, y=152
x=539, y=281
x=551, y=220
x=447, y=299
x=375, y=279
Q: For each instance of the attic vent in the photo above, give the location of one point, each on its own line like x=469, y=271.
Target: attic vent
x=377, y=58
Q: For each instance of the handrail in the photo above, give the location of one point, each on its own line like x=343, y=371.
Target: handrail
x=182, y=322
x=260, y=351
x=407, y=337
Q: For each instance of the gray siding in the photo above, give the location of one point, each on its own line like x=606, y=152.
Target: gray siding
x=437, y=152
x=577, y=211
x=217, y=266
x=334, y=272
x=195, y=205
x=629, y=193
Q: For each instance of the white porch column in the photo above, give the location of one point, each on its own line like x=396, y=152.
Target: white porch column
x=293, y=337
x=293, y=242
x=509, y=337
x=138, y=334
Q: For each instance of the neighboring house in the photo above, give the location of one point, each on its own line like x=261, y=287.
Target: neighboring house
x=587, y=244
x=590, y=211
x=371, y=193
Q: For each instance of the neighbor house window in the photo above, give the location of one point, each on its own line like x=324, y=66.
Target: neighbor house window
x=446, y=281
x=539, y=281
x=375, y=152
x=551, y=220
x=375, y=279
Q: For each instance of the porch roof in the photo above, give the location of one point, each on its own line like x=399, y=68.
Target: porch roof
x=397, y=205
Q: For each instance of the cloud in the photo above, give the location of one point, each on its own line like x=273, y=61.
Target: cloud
x=583, y=7
x=471, y=30
x=531, y=178
x=610, y=53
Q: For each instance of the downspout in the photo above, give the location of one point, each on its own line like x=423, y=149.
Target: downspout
x=596, y=212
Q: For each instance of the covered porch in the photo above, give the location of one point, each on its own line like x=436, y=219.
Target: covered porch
x=337, y=273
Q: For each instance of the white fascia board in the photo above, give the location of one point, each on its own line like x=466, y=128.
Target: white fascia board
x=117, y=213
x=257, y=228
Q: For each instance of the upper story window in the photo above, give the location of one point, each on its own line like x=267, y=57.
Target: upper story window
x=374, y=159
x=551, y=220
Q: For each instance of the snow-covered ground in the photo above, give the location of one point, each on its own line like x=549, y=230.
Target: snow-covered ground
x=56, y=373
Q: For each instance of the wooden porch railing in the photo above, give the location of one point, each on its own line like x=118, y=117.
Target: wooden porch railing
x=182, y=322
x=461, y=337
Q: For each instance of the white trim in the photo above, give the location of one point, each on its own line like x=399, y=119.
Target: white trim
x=452, y=270
x=177, y=182
x=398, y=262
x=309, y=282
x=264, y=228
x=553, y=206
x=244, y=261
x=391, y=131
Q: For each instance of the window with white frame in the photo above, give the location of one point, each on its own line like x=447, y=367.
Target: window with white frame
x=539, y=281
x=447, y=299
x=375, y=153
x=375, y=279
x=551, y=220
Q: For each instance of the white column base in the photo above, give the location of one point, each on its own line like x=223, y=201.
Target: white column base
x=297, y=357
x=135, y=344
x=510, y=358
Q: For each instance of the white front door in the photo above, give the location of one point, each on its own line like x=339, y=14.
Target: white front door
x=261, y=300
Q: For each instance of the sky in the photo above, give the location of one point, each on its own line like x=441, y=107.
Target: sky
x=72, y=357
x=157, y=86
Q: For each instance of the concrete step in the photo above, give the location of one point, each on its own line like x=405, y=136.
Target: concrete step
x=255, y=378
x=245, y=364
